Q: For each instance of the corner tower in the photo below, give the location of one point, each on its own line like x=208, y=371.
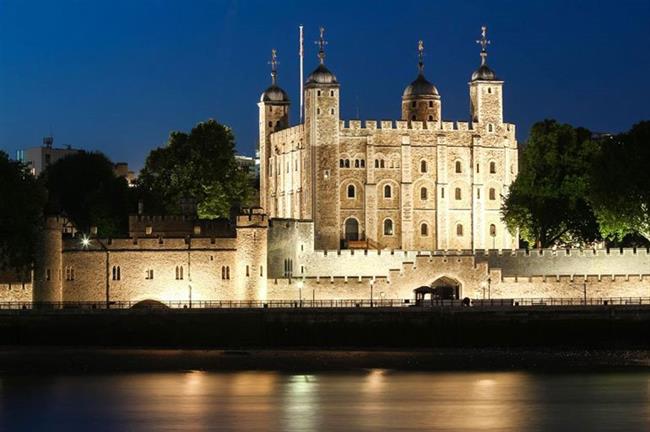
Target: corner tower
x=273, y=116
x=420, y=100
x=322, y=139
x=485, y=90
x=48, y=284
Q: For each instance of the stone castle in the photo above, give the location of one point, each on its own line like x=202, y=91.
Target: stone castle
x=349, y=210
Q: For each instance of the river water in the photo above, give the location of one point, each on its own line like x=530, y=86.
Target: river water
x=372, y=400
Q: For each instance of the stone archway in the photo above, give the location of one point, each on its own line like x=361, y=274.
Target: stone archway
x=443, y=288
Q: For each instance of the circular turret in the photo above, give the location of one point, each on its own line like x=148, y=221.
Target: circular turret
x=48, y=284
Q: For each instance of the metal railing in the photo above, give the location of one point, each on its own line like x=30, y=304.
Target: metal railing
x=321, y=304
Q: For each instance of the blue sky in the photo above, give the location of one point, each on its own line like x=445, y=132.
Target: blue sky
x=118, y=76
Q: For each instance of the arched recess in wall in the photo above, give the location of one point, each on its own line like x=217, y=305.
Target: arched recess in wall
x=351, y=193
x=351, y=229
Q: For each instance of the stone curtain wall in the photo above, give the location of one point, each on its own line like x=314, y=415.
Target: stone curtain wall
x=568, y=262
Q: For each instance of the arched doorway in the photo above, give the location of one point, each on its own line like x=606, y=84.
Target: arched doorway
x=351, y=229
x=443, y=288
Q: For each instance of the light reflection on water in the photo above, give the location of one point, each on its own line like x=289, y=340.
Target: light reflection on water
x=362, y=401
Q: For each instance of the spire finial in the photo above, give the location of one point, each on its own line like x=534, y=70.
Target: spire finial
x=484, y=42
x=420, y=56
x=321, y=42
x=274, y=65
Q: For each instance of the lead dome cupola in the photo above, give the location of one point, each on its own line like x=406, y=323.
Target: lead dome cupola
x=274, y=94
x=484, y=73
x=420, y=87
x=321, y=75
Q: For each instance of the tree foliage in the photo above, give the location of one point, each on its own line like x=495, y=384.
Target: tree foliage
x=21, y=209
x=197, y=168
x=83, y=186
x=548, y=200
x=620, y=190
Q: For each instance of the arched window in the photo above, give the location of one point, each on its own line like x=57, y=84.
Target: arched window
x=179, y=272
x=288, y=267
x=424, y=230
x=459, y=168
x=356, y=163
x=457, y=194
x=388, y=227
x=423, y=166
x=459, y=230
x=376, y=163
x=490, y=128
x=493, y=168
x=423, y=194
x=347, y=163
x=248, y=270
x=116, y=273
x=363, y=163
x=223, y=272
x=492, y=194
x=341, y=163
x=381, y=163
x=388, y=193
x=430, y=118
x=493, y=230
x=351, y=191
x=430, y=104
x=227, y=272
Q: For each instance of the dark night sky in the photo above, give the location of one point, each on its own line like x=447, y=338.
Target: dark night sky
x=118, y=75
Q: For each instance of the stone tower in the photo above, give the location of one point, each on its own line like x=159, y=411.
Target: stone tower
x=420, y=100
x=48, y=283
x=274, y=116
x=251, y=267
x=322, y=140
x=485, y=92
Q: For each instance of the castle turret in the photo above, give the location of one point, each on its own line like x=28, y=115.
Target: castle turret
x=322, y=139
x=48, y=284
x=485, y=91
x=251, y=269
x=420, y=100
x=274, y=116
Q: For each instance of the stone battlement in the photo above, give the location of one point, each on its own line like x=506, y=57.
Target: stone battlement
x=74, y=244
x=398, y=125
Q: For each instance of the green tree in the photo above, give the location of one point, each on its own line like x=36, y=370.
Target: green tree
x=547, y=202
x=21, y=211
x=83, y=186
x=620, y=190
x=197, y=168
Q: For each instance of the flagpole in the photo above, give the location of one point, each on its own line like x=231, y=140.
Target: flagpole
x=302, y=55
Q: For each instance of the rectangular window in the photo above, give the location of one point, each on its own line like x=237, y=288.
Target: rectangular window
x=149, y=274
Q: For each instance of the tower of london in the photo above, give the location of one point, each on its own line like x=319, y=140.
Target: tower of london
x=417, y=183
x=349, y=210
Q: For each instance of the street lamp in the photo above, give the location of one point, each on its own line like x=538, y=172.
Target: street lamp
x=300, y=285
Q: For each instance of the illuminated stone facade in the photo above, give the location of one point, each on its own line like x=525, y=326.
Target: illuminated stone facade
x=418, y=183
x=356, y=210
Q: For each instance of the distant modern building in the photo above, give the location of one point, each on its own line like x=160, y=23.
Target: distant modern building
x=252, y=164
x=39, y=158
